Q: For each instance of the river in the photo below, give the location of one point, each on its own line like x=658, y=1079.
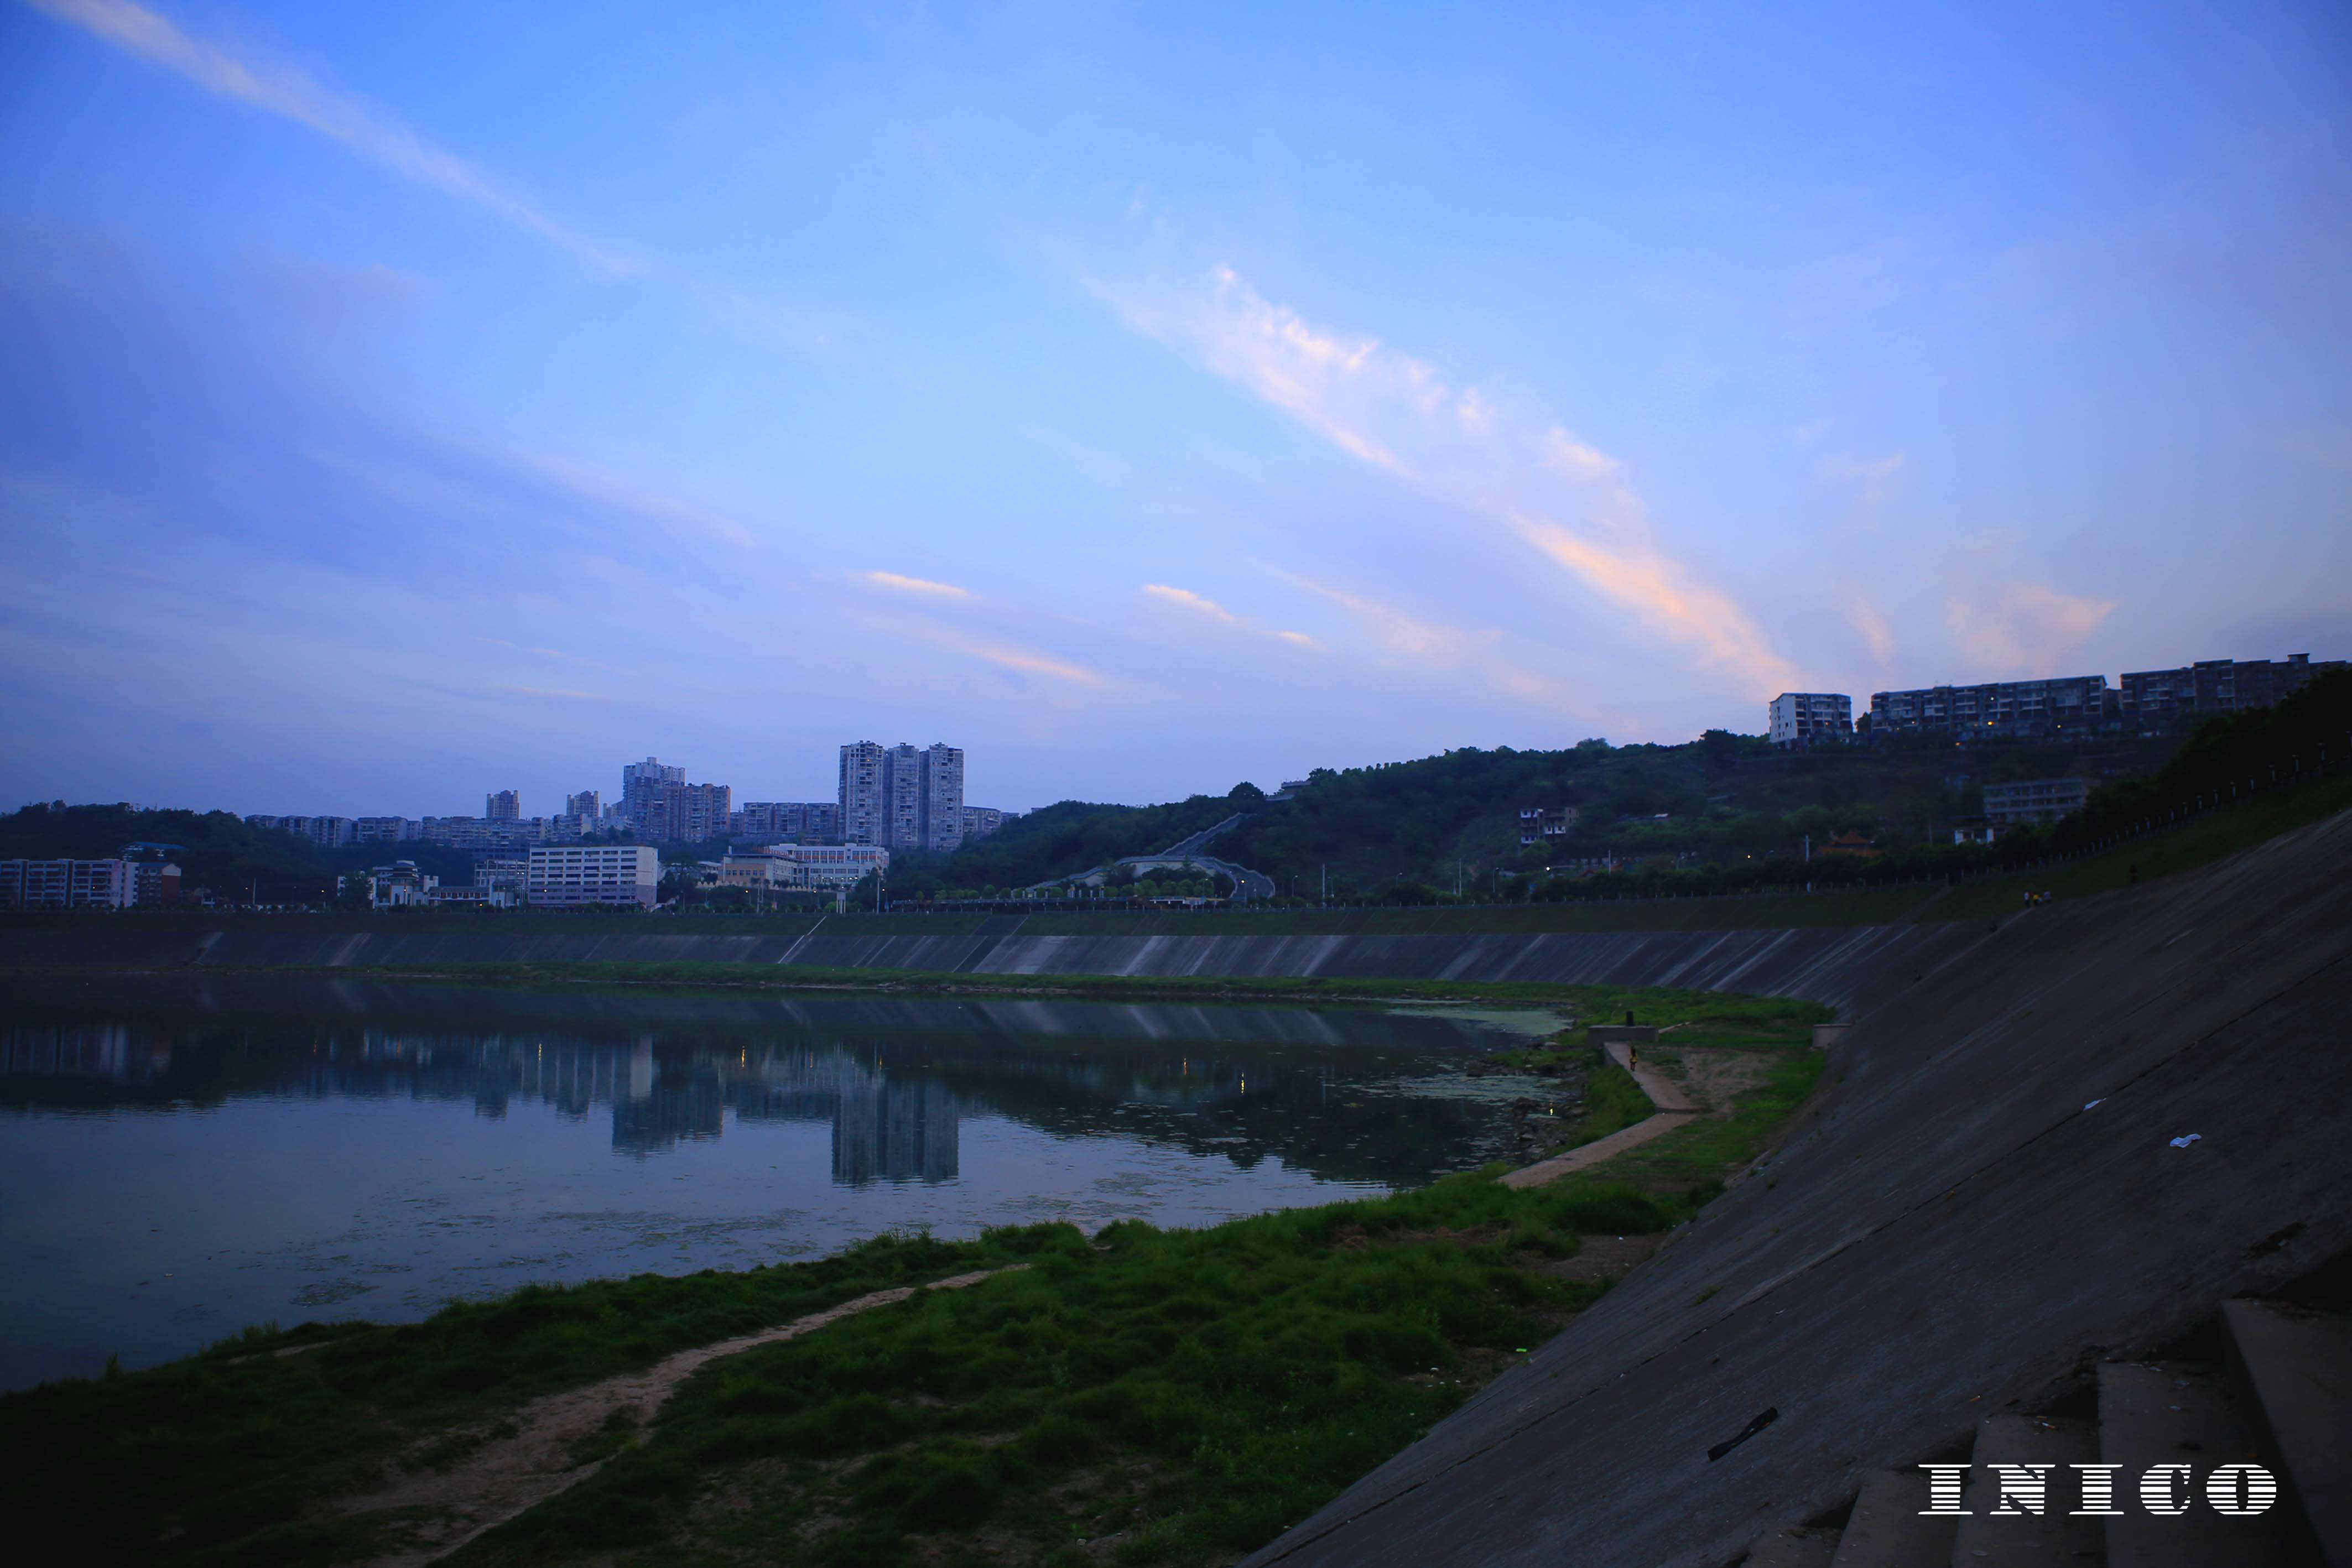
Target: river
x=182, y=1156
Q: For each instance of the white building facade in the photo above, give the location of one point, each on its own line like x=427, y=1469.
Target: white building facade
x=564, y=876
x=1810, y=718
x=902, y=797
x=69, y=884
x=780, y=868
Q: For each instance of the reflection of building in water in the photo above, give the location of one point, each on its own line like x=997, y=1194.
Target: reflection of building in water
x=81, y=1050
x=688, y=1104
x=895, y=1132
x=882, y=1131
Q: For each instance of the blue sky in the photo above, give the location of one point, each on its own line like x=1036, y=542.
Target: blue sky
x=405, y=402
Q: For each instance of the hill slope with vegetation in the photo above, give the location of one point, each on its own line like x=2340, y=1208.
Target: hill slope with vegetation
x=1722, y=813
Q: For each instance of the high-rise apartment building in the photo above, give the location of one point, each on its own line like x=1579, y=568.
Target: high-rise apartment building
x=1800, y=719
x=503, y=806
x=800, y=821
x=587, y=805
x=901, y=796
x=658, y=802
x=652, y=770
x=860, y=798
x=641, y=789
x=940, y=828
x=682, y=813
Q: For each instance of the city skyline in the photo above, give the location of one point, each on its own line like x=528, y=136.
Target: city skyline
x=1158, y=401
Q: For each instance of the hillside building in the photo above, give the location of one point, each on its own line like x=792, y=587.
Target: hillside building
x=1538, y=825
x=2150, y=700
x=1800, y=719
x=2034, y=800
x=2023, y=710
x=503, y=806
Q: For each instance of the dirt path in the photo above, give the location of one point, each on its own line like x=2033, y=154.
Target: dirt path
x=1716, y=1080
x=531, y=1460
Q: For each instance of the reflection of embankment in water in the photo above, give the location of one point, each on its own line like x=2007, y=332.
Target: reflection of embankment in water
x=892, y=1077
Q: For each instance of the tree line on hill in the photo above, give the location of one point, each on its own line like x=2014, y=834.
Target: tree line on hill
x=1721, y=813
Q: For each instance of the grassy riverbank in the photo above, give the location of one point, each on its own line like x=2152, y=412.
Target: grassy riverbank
x=1596, y=1004
x=1142, y=1397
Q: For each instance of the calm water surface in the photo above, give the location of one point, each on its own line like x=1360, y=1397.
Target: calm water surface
x=180, y=1158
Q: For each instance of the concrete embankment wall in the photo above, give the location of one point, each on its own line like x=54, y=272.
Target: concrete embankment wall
x=1829, y=964
x=1988, y=1195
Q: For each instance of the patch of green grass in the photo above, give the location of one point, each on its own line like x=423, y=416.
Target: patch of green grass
x=1612, y=1102
x=1191, y=1392
x=1694, y=1158
x=1650, y=1004
x=214, y=1457
x=1743, y=912
x=1255, y=1368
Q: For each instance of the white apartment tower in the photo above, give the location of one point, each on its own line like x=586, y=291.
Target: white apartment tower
x=1810, y=718
x=902, y=797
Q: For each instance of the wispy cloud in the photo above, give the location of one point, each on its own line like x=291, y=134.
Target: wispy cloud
x=553, y=693
x=1218, y=613
x=2021, y=628
x=1191, y=600
x=1875, y=631
x=1400, y=415
x=1873, y=478
x=993, y=649
x=1427, y=644
x=921, y=585
x=682, y=517
x=276, y=87
x=1026, y=661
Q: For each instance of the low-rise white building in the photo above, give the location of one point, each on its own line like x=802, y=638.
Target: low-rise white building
x=783, y=867
x=398, y=885
x=569, y=876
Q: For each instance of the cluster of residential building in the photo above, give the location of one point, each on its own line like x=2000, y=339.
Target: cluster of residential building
x=897, y=796
x=598, y=851
x=142, y=876
x=2142, y=701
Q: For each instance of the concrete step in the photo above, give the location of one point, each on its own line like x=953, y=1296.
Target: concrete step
x=2298, y=1363
x=1990, y=1539
x=1887, y=1531
x=2183, y=1412
x=1793, y=1549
